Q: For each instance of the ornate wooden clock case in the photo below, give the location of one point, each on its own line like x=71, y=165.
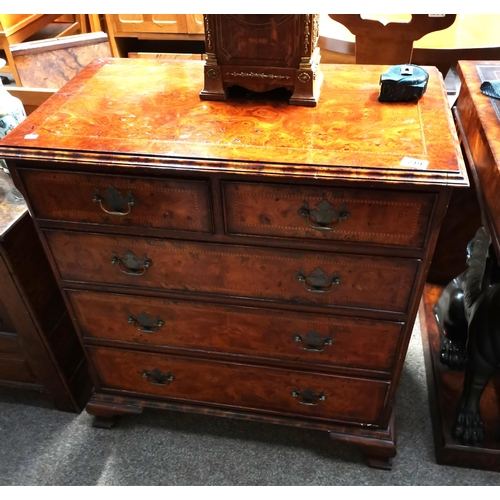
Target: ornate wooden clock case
x=262, y=52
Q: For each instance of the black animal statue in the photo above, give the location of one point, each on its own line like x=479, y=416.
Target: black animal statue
x=468, y=317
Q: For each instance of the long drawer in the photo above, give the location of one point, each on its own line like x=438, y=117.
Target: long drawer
x=122, y=201
x=382, y=217
x=285, y=275
x=239, y=386
x=320, y=340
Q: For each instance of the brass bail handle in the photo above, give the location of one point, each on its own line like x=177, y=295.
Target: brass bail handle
x=115, y=201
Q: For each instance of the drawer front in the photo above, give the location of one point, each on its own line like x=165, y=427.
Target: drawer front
x=241, y=386
x=6, y=324
x=374, y=216
x=292, y=276
x=308, y=338
x=14, y=369
x=118, y=200
x=9, y=343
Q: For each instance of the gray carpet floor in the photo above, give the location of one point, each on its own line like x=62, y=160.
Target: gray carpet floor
x=42, y=446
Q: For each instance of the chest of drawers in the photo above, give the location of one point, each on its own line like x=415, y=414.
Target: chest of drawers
x=247, y=259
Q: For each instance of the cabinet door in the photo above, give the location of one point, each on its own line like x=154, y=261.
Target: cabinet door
x=149, y=23
x=195, y=23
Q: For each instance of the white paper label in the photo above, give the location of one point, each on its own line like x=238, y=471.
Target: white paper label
x=437, y=15
x=413, y=163
x=31, y=136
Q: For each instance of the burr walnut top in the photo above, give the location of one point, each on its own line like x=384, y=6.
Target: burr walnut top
x=151, y=110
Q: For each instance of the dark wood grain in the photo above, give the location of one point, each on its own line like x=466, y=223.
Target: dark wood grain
x=39, y=348
x=165, y=204
x=236, y=271
x=479, y=131
x=480, y=127
x=241, y=386
x=250, y=332
x=445, y=388
x=382, y=217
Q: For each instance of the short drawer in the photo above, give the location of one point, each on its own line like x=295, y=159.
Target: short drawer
x=299, y=337
x=234, y=271
x=118, y=200
x=376, y=216
x=240, y=386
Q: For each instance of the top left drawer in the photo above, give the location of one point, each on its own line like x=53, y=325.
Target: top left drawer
x=173, y=204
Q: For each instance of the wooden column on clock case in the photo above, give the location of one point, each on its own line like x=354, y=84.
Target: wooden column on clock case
x=244, y=258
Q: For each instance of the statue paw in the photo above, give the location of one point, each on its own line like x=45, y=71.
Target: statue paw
x=468, y=428
x=452, y=354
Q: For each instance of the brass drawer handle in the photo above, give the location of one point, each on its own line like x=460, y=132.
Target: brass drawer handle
x=318, y=281
x=145, y=323
x=115, y=201
x=313, y=341
x=156, y=377
x=324, y=214
x=308, y=397
x=131, y=264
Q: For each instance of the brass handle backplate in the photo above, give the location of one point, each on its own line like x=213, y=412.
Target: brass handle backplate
x=308, y=397
x=324, y=217
x=318, y=281
x=313, y=341
x=156, y=377
x=131, y=264
x=145, y=323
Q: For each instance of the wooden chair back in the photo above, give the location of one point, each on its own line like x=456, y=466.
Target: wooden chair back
x=391, y=43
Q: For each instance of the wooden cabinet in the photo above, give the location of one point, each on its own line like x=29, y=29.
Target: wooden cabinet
x=243, y=258
x=152, y=27
x=39, y=348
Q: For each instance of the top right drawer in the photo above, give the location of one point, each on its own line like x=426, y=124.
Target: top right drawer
x=376, y=216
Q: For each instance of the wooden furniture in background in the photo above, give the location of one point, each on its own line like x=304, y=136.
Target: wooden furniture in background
x=52, y=63
x=39, y=348
x=16, y=28
x=31, y=98
x=471, y=36
x=187, y=27
x=262, y=52
x=478, y=121
x=247, y=259
x=391, y=43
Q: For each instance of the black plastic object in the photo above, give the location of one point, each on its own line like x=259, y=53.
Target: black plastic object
x=491, y=89
x=404, y=82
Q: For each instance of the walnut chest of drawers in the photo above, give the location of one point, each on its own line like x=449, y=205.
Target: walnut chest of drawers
x=247, y=259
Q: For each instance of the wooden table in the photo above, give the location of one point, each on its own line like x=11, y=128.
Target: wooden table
x=471, y=36
x=247, y=258
x=478, y=122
